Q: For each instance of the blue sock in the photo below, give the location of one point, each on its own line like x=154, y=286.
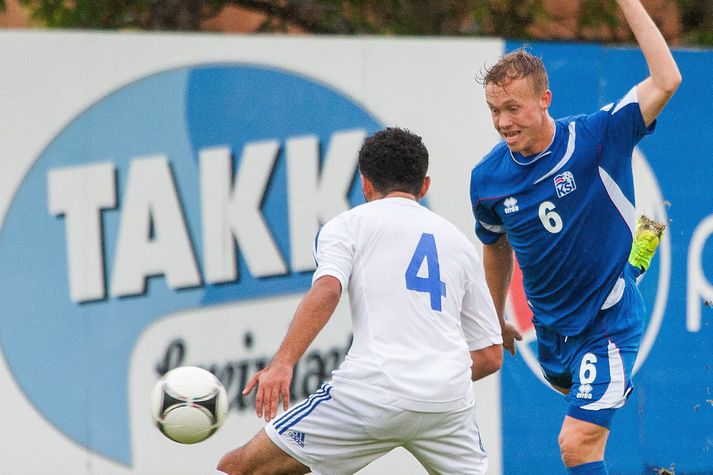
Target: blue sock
x=591, y=468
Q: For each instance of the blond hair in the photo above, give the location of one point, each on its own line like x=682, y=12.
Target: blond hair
x=516, y=65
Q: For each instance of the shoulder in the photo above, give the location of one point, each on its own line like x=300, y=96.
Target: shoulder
x=593, y=125
x=446, y=225
x=629, y=101
x=490, y=160
x=454, y=234
x=365, y=214
x=361, y=210
x=340, y=224
x=626, y=109
x=486, y=172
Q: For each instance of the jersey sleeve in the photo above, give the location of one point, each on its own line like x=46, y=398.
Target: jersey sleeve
x=622, y=124
x=628, y=122
x=334, y=251
x=488, y=225
x=478, y=317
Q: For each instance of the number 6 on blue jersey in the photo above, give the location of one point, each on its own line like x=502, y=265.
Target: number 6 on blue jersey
x=426, y=249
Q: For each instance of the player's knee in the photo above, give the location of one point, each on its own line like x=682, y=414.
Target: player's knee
x=570, y=447
x=579, y=446
x=232, y=462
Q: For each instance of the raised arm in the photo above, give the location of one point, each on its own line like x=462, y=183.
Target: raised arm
x=664, y=76
x=273, y=382
x=498, y=262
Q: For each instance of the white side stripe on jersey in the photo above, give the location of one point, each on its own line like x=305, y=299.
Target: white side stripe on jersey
x=623, y=205
x=615, y=395
x=567, y=154
x=493, y=228
x=617, y=292
x=631, y=97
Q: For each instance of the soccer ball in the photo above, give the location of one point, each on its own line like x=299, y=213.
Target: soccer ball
x=188, y=404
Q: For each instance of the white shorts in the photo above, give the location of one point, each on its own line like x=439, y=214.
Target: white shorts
x=339, y=430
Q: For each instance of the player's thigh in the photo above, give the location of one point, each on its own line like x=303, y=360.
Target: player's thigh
x=449, y=443
x=330, y=431
x=261, y=455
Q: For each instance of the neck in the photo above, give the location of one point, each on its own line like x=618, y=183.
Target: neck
x=394, y=194
x=400, y=194
x=547, y=138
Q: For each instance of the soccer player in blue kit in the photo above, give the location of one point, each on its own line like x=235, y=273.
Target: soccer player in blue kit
x=560, y=193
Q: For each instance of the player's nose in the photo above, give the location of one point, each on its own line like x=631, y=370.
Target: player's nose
x=504, y=121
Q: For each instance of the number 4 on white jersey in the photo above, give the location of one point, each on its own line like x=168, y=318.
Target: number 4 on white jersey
x=432, y=284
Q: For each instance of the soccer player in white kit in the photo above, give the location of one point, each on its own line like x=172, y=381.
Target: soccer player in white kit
x=424, y=328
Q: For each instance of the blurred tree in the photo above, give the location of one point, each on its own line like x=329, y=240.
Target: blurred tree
x=117, y=14
x=600, y=20
x=697, y=19
x=526, y=19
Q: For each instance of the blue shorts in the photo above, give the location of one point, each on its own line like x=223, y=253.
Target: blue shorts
x=596, y=365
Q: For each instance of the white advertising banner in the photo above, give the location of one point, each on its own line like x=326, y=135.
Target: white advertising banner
x=159, y=195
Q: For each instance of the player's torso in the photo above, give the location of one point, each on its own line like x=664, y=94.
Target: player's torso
x=409, y=275
x=407, y=261
x=543, y=203
x=558, y=216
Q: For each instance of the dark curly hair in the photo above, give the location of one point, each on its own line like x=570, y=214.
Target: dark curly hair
x=394, y=159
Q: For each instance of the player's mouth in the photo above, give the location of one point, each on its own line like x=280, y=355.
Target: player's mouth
x=510, y=137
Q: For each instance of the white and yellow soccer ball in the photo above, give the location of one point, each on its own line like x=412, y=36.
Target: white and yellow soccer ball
x=188, y=404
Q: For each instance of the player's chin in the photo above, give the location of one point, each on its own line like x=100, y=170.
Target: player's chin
x=514, y=149
x=515, y=146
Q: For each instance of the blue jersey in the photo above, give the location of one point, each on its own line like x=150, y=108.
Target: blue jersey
x=568, y=212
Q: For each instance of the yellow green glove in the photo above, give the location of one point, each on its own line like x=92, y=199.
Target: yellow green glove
x=646, y=240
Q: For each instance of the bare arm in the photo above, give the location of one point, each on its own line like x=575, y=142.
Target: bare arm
x=664, y=76
x=310, y=317
x=486, y=361
x=498, y=262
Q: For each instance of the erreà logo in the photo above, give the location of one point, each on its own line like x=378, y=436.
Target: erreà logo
x=510, y=205
x=191, y=187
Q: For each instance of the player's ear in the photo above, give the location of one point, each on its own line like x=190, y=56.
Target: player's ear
x=546, y=99
x=367, y=188
x=424, y=187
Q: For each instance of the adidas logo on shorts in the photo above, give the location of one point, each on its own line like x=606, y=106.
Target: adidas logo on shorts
x=298, y=437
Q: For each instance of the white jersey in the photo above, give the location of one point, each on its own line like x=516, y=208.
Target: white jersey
x=418, y=301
